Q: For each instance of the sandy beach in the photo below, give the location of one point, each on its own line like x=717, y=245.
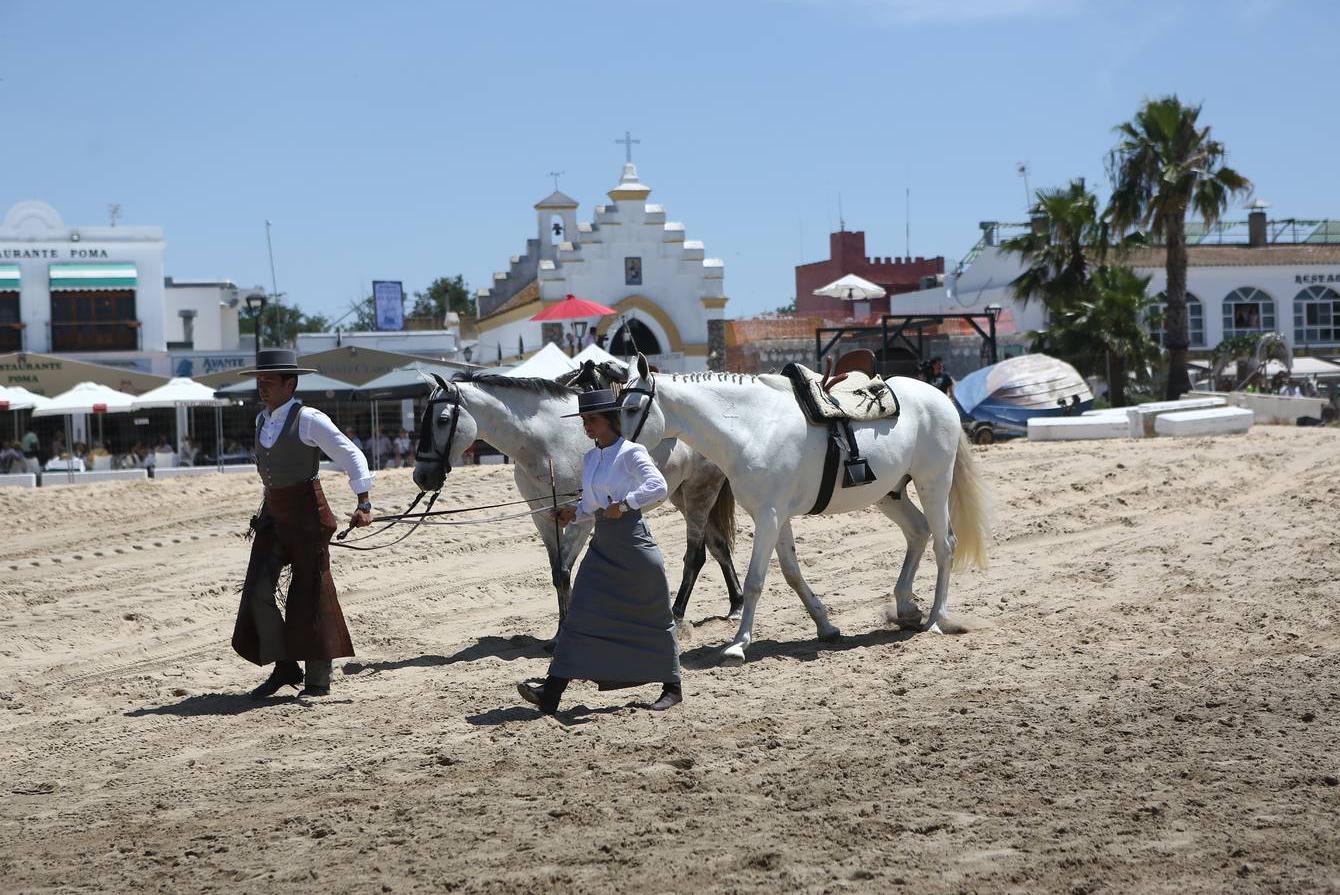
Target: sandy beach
x=1148, y=700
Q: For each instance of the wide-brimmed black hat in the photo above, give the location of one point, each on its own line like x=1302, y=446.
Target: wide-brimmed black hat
x=276, y=360
x=600, y=400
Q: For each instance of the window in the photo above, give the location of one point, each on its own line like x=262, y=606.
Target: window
x=11, y=326
x=632, y=271
x=1248, y=310
x=1316, y=316
x=94, y=320
x=1195, y=320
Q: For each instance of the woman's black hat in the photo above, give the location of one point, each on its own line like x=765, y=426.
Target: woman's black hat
x=276, y=360
x=600, y=400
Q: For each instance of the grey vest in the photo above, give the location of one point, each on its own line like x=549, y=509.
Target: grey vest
x=289, y=462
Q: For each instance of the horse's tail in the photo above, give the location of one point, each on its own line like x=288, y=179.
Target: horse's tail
x=723, y=514
x=969, y=509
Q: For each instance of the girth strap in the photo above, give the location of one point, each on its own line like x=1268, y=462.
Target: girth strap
x=830, y=475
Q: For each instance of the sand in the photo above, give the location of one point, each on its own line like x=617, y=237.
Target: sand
x=1148, y=700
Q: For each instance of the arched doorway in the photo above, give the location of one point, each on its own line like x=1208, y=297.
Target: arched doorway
x=630, y=338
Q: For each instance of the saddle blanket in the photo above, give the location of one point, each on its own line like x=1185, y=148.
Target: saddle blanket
x=857, y=397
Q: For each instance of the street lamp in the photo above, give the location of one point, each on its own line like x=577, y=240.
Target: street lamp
x=256, y=305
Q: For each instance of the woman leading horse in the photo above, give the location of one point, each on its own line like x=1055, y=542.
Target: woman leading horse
x=619, y=630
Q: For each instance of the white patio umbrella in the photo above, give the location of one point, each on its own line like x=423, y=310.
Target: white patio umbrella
x=15, y=398
x=84, y=398
x=851, y=288
x=181, y=393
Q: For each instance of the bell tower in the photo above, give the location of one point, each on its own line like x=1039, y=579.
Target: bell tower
x=556, y=222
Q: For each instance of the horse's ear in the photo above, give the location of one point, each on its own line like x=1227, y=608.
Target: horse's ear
x=643, y=368
x=442, y=383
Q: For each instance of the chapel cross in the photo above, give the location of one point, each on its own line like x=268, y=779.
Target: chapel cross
x=628, y=142
x=556, y=175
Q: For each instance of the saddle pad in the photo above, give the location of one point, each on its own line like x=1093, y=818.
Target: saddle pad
x=858, y=397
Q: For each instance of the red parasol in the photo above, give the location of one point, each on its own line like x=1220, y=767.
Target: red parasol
x=574, y=308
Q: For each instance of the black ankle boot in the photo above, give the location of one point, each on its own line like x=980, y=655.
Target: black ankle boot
x=544, y=696
x=285, y=674
x=671, y=696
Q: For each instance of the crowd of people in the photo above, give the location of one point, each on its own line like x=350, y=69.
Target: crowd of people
x=381, y=450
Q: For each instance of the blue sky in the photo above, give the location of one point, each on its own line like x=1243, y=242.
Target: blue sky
x=410, y=140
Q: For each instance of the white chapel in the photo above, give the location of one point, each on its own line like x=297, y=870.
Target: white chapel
x=668, y=294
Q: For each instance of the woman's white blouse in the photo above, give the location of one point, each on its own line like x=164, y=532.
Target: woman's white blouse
x=622, y=471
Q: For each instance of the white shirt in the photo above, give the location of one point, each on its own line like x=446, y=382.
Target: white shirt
x=622, y=471
x=316, y=430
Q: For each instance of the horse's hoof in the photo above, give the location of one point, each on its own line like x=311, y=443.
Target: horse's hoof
x=732, y=656
x=933, y=628
x=831, y=636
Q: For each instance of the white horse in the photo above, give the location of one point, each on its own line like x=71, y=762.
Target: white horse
x=753, y=428
x=523, y=418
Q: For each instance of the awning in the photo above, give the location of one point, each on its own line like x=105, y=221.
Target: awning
x=9, y=278
x=93, y=276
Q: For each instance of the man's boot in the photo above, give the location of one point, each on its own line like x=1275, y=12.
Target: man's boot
x=285, y=674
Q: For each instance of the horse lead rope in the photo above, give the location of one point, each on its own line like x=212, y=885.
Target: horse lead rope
x=422, y=518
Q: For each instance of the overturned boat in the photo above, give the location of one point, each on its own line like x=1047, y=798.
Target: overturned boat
x=999, y=400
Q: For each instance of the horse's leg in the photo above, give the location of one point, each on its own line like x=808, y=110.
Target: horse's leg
x=558, y=574
x=766, y=529
x=718, y=546
x=786, y=558
x=935, y=502
x=695, y=550
x=917, y=531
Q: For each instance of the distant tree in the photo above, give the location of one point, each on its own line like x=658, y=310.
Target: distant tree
x=442, y=295
x=1164, y=165
x=280, y=324
x=1104, y=333
x=788, y=308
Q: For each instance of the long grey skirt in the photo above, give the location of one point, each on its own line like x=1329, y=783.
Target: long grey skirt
x=619, y=628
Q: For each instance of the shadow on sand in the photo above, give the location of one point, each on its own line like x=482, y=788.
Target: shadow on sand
x=709, y=655
x=223, y=704
x=578, y=714
x=519, y=646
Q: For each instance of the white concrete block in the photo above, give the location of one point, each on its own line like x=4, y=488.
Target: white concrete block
x=1214, y=421
x=56, y=478
x=1141, y=417
x=1283, y=410
x=1076, y=428
x=240, y=467
x=18, y=480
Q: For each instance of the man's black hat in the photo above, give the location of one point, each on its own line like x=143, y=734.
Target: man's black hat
x=276, y=360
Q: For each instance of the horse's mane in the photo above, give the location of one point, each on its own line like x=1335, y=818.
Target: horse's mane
x=771, y=380
x=533, y=384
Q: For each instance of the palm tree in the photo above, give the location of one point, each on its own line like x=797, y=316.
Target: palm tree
x=1069, y=236
x=1164, y=165
x=1103, y=333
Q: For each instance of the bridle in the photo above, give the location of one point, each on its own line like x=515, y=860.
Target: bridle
x=646, y=411
x=426, y=452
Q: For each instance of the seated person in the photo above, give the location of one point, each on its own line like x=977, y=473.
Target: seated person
x=12, y=459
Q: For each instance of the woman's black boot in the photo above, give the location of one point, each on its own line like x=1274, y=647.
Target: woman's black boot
x=671, y=696
x=544, y=696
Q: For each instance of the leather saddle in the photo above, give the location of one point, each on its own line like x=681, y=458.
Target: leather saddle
x=847, y=391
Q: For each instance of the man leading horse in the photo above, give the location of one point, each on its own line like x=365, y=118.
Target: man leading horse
x=293, y=528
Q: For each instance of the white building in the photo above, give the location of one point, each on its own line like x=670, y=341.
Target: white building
x=98, y=294
x=668, y=294
x=1242, y=277
x=439, y=344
